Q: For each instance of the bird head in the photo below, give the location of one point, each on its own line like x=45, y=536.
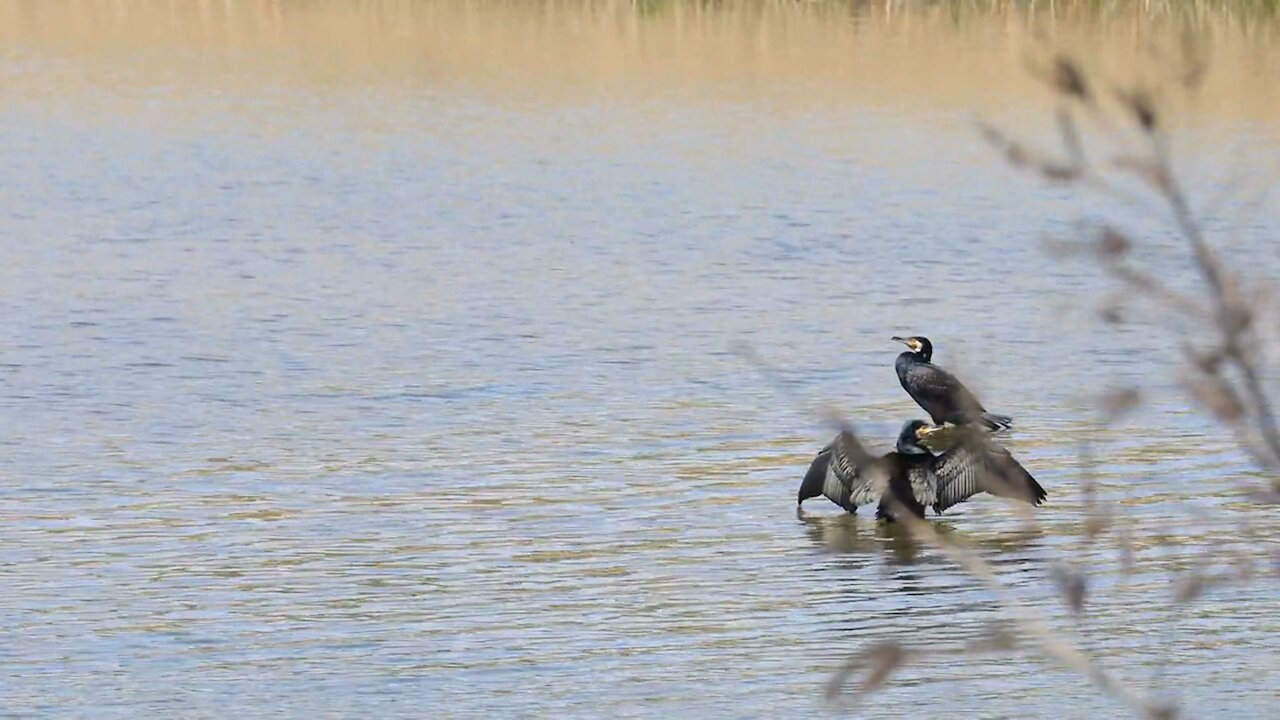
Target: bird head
x=917, y=344
x=913, y=432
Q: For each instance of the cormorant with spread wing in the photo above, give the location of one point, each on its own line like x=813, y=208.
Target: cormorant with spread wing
x=845, y=473
x=941, y=395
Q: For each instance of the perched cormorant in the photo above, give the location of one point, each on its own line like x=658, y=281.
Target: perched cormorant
x=941, y=395
x=845, y=473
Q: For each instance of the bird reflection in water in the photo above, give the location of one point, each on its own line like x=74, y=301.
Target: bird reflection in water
x=846, y=534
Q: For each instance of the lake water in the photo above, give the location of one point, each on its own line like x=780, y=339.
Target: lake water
x=380, y=359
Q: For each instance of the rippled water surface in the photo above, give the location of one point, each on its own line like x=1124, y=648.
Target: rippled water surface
x=382, y=360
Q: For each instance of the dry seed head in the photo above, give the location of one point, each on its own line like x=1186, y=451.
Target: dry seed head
x=1113, y=243
x=995, y=639
x=1111, y=314
x=884, y=658
x=1015, y=154
x=1162, y=711
x=1058, y=172
x=1189, y=588
x=1141, y=106
x=1073, y=587
x=1119, y=401
x=1207, y=362
x=1094, y=526
x=1069, y=80
x=1220, y=398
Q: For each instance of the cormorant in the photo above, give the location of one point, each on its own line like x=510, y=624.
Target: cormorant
x=845, y=473
x=850, y=476
x=941, y=395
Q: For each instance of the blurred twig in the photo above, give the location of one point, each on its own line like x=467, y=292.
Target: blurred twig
x=1226, y=377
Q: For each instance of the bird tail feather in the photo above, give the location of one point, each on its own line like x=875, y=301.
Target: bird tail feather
x=992, y=421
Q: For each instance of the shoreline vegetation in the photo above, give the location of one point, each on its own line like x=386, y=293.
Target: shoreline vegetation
x=950, y=55
x=1097, y=12
x=776, y=20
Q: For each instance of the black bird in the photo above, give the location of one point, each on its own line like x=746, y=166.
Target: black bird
x=941, y=395
x=845, y=473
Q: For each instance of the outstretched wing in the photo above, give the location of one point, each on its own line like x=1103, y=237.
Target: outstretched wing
x=977, y=465
x=851, y=476
x=959, y=471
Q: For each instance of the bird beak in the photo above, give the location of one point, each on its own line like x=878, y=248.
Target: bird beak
x=924, y=430
x=902, y=340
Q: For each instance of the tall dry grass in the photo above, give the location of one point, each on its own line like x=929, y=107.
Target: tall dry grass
x=560, y=42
